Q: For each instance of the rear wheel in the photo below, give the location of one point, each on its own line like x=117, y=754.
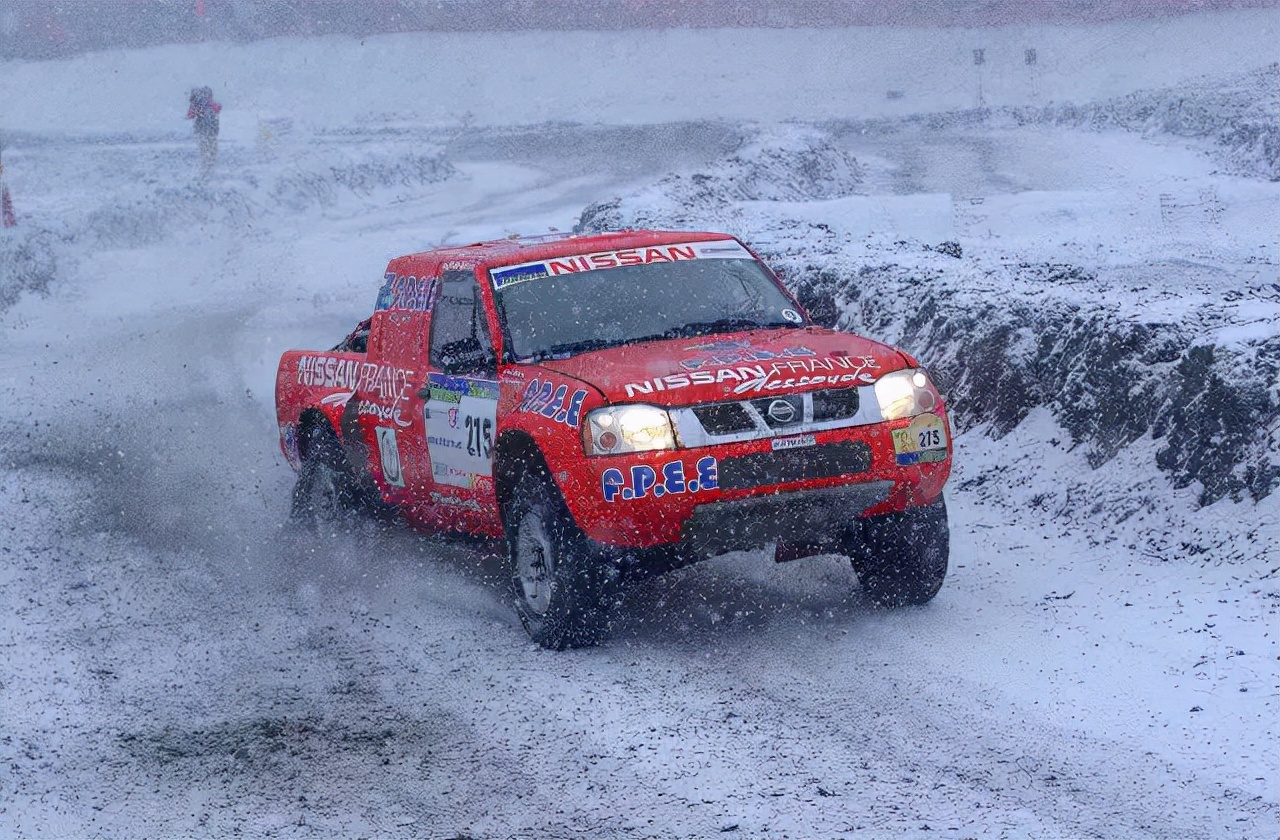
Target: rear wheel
x=562, y=587
x=901, y=558
x=326, y=493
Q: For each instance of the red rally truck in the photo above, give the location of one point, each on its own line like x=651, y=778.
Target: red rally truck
x=620, y=404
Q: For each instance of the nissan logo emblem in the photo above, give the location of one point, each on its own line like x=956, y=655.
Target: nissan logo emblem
x=781, y=411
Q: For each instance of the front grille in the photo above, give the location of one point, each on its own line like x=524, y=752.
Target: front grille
x=834, y=404
x=760, y=469
x=776, y=415
x=724, y=418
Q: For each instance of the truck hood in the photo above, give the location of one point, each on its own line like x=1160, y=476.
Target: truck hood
x=734, y=366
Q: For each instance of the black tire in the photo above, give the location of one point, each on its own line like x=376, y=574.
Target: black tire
x=326, y=494
x=901, y=558
x=563, y=588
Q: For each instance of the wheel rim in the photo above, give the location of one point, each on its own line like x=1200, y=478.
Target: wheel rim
x=534, y=563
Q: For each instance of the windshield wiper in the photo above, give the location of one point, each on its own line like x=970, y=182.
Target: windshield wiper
x=572, y=348
x=723, y=325
x=719, y=325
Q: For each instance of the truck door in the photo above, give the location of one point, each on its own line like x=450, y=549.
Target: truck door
x=460, y=406
x=386, y=405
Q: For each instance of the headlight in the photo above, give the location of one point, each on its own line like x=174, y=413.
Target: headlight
x=905, y=393
x=628, y=428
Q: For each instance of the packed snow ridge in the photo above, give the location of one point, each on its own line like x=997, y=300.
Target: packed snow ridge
x=1237, y=115
x=1193, y=369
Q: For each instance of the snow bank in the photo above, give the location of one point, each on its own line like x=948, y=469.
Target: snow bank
x=1239, y=115
x=1007, y=338
x=1172, y=351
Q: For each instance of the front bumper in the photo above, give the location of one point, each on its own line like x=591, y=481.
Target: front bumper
x=712, y=499
x=801, y=516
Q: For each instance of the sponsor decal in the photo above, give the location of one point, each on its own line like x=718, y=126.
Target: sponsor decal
x=438, y=498
x=553, y=402
x=389, y=455
x=924, y=441
x=716, y=249
x=777, y=374
x=386, y=382
x=337, y=398
x=774, y=383
x=461, y=418
x=833, y=370
x=614, y=259
x=502, y=278
x=669, y=479
x=328, y=372
x=401, y=292
x=443, y=473
x=797, y=442
x=720, y=249
x=738, y=352
x=383, y=413
x=675, y=381
x=389, y=383
x=444, y=442
x=382, y=388
x=451, y=389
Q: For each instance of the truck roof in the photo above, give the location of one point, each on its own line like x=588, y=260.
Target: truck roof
x=527, y=248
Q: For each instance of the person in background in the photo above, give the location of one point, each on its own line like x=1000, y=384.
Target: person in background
x=6, y=202
x=204, y=110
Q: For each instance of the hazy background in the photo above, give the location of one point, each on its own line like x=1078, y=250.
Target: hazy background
x=1082, y=247
x=49, y=28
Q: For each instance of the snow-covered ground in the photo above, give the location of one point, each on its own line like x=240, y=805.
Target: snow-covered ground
x=1102, y=661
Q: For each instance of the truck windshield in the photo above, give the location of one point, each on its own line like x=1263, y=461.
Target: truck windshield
x=555, y=316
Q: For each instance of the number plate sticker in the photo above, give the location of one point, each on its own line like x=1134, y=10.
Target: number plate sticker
x=922, y=442
x=461, y=418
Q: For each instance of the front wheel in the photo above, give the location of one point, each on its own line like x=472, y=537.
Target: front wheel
x=901, y=558
x=563, y=589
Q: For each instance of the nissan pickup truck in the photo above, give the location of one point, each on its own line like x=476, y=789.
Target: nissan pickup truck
x=620, y=404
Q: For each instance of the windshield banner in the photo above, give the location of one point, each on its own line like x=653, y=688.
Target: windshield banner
x=723, y=249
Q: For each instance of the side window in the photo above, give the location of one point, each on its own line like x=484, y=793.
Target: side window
x=460, y=342
x=358, y=340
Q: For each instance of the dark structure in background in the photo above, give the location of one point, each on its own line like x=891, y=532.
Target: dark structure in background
x=48, y=29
